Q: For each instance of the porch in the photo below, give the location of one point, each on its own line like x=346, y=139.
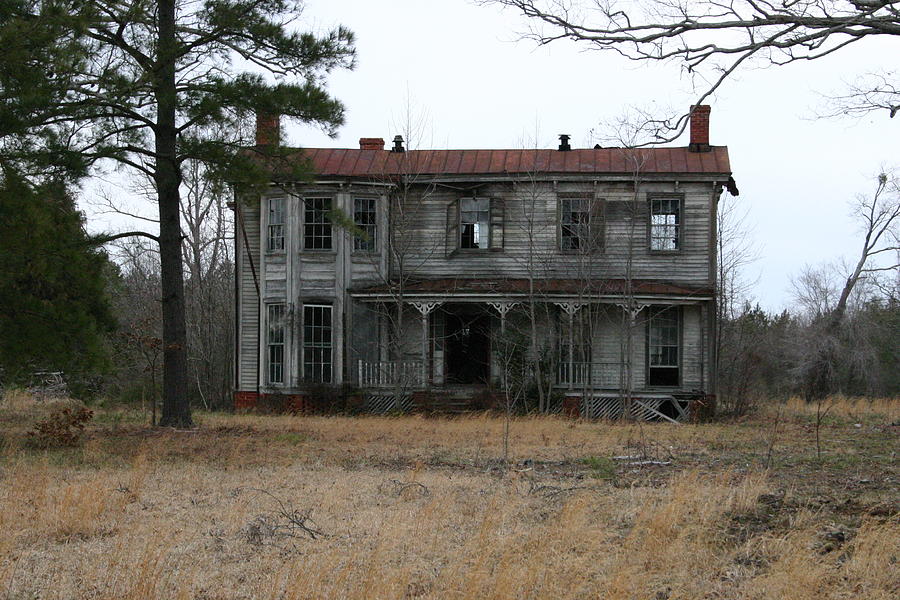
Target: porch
x=412, y=375
x=598, y=347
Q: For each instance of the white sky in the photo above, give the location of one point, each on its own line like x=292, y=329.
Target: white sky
x=476, y=85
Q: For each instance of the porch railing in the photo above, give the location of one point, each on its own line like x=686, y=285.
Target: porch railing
x=389, y=373
x=586, y=374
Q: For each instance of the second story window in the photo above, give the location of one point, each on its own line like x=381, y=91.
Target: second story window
x=276, y=225
x=317, y=224
x=665, y=224
x=580, y=223
x=474, y=222
x=365, y=219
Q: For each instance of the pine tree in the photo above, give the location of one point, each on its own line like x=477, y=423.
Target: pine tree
x=54, y=311
x=158, y=84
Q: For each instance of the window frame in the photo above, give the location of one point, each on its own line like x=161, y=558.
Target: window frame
x=272, y=346
x=326, y=223
x=594, y=234
x=679, y=223
x=373, y=239
x=487, y=223
x=675, y=311
x=271, y=226
x=310, y=346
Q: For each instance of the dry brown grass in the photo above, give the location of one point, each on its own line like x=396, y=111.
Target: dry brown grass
x=412, y=507
x=850, y=408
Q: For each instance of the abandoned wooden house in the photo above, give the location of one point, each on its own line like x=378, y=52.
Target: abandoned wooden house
x=412, y=276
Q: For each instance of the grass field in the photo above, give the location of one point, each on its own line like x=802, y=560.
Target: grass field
x=413, y=507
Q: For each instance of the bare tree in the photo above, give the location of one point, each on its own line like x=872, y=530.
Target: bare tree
x=208, y=268
x=879, y=216
x=816, y=289
x=711, y=40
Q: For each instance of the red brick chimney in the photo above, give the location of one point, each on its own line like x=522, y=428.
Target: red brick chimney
x=371, y=144
x=268, y=129
x=700, y=128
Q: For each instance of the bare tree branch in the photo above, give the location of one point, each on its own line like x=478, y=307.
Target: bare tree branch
x=713, y=37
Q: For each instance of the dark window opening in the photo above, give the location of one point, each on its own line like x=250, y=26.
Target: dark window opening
x=364, y=217
x=317, y=343
x=474, y=222
x=665, y=224
x=317, y=224
x=663, y=348
x=575, y=223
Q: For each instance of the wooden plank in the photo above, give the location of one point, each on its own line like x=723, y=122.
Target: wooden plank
x=654, y=411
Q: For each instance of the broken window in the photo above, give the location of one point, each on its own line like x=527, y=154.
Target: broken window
x=276, y=224
x=364, y=217
x=275, y=342
x=581, y=223
x=663, y=342
x=665, y=224
x=474, y=222
x=317, y=343
x=317, y=224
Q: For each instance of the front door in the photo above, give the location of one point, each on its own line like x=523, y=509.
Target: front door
x=468, y=346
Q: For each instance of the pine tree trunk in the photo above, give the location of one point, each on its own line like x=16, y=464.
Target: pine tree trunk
x=176, y=410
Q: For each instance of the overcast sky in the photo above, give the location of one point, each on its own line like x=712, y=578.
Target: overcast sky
x=475, y=84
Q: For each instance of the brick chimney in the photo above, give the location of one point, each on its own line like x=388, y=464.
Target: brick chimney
x=371, y=144
x=700, y=128
x=268, y=129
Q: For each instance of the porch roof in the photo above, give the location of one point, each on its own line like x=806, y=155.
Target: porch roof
x=496, y=288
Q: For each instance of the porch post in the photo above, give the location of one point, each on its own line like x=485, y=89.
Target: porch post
x=425, y=309
x=571, y=308
x=631, y=309
x=502, y=308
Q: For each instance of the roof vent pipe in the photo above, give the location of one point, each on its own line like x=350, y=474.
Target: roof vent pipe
x=564, y=142
x=398, y=144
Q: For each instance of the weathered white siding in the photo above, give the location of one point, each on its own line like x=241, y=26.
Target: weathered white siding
x=530, y=248
x=247, y=259
x=530, y=235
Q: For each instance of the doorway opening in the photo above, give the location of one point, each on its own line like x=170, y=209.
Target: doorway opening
x=468, y=345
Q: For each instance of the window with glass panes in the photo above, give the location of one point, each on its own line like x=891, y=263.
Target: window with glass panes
x=665, y=223
x=317, y=223
x=364, y=217
x=276, y=224
x=275, y=342
x=663, y=341
x=474, y=222
x=317, y=343
x=575, y=223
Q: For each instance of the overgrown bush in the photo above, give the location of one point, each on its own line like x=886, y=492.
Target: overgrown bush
x=61, y=428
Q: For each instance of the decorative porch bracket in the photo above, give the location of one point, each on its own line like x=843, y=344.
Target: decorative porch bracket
x=570, y=308
x=632, y=311
x=502, y=308
x=425, y=308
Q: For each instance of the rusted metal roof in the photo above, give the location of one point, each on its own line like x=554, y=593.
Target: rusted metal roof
x=550, y=287
x=346, y=162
